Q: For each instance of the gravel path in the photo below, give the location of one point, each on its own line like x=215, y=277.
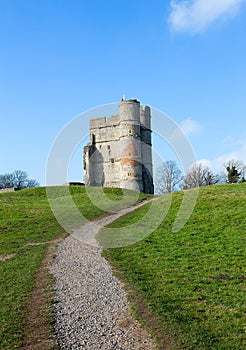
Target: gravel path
x=91, y=310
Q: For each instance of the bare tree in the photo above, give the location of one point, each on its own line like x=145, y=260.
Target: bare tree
x=168, y=177
x=210, y=178
x=32, y=183
x=7, y=180
x=199, y=175
x=18, y=179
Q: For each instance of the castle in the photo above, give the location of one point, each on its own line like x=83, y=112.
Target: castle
x=119, y=153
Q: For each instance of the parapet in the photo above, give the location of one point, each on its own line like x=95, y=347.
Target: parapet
x=97, y=122
x=103, y=122
x=131, y=100
x=113, y=120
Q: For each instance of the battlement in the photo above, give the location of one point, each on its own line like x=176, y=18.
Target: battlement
x=97, y=122
x=134, y=100
x=114, y=120
x=103, y=122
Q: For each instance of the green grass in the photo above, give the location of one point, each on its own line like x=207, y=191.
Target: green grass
x=193, y=282
x=26, y=217
x=16, y=282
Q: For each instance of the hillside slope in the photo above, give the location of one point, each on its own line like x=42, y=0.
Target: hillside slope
x=189, y=286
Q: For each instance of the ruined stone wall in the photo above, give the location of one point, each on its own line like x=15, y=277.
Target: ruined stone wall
x=103, y=153
x=11, y=189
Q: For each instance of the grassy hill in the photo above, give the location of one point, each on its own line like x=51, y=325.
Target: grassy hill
x=189, y=287
x=27, y=228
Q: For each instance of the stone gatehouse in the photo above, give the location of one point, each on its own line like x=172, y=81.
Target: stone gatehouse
x=119, y=153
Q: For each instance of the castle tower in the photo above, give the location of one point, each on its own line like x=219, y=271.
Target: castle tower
x=119, y=153
x=130, y=145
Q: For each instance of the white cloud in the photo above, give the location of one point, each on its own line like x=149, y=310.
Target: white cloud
x=217, y=164
x=196, y=15
x=186, y=128
x=190, y=126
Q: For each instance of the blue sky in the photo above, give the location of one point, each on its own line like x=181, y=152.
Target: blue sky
x=61, y=58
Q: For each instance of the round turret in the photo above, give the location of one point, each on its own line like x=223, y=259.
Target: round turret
x=129, y=110
x=130, y=145
x=129, y=115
